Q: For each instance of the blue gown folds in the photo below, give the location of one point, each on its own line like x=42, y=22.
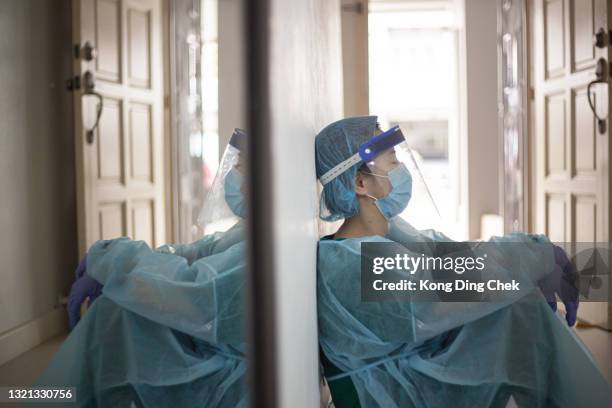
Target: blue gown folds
x=441, y=354
x=167, y=330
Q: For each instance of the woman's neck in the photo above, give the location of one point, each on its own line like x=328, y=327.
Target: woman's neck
x=369, y=221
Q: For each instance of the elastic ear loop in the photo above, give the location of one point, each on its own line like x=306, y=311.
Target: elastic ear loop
x=377, y=175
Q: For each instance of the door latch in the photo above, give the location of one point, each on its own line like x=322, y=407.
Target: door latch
x=602, y=39
x=88, y=52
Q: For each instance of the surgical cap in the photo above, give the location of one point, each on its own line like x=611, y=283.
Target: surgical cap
x=334, y=144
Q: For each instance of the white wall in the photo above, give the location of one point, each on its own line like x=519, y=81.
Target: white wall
x=306, y=94
x=480, y=63
x=38, y=246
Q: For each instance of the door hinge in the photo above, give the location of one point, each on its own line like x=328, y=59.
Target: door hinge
x=73, y=84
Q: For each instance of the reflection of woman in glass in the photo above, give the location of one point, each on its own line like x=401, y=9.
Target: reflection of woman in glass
x=401, y=353
x=167, y=329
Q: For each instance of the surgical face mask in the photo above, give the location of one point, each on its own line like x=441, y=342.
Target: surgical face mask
x=401, y=190
x=233, y=193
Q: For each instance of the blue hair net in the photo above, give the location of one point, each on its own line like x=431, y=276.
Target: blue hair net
x=334, y=144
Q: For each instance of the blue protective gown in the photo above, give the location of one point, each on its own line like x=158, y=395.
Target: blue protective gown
x=441, y=354
x=167, y=331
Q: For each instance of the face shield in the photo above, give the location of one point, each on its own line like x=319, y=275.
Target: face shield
x=393, y=178
x=225, y=203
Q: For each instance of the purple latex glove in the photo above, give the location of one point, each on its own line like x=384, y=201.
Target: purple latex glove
x=84, y=287
x=80, y=270
x=563, y=281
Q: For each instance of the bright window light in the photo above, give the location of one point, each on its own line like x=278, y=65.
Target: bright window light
x=413, y=76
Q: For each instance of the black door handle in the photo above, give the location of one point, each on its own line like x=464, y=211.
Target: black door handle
x=601, y=74
x=89, y=85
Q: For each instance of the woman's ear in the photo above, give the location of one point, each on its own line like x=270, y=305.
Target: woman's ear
x=360, y=184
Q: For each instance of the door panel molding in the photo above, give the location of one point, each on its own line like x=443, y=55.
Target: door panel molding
x=120, y=177
x=570, y=178
x=582, y=50
x=108, y=39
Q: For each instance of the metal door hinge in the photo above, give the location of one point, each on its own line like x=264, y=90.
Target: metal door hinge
x=73, y=84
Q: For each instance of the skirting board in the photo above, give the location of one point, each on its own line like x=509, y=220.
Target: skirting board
x=31, y=334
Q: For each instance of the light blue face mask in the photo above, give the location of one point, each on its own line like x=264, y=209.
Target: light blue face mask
x=401, y=190
x=233, y=194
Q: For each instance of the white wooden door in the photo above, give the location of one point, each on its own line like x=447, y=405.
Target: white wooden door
x=571, y=175
x=120, y=177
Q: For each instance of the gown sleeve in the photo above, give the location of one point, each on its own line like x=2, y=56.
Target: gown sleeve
x=514, y=257
x=202, y=299
x=208, y=245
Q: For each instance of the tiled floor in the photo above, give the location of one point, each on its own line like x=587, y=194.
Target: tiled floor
x=24, y=369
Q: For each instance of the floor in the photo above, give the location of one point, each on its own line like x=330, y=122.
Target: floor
x=24, y=369
x=599, y=343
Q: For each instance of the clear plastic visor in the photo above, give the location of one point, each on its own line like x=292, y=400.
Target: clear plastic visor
x=225, y=203
x=422, y=211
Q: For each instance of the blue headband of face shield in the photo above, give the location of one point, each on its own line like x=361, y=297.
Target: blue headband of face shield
x=367, y=152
